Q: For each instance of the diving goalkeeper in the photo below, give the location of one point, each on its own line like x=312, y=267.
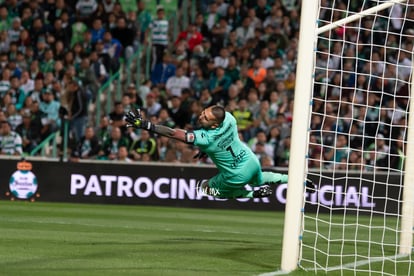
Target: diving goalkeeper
x=218, y=138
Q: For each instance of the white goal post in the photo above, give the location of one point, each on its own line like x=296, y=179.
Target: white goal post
x=387, y=228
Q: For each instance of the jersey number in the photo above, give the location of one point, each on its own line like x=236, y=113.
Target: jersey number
x=231, y=151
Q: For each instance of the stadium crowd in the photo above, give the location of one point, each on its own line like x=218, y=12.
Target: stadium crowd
x=55, y=54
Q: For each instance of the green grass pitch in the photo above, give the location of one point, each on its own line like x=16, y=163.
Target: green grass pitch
x=88, y=239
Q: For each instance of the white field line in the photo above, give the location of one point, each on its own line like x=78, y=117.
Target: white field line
x=349, y=265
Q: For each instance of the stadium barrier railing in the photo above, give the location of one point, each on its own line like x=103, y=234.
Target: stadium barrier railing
x=48, y=147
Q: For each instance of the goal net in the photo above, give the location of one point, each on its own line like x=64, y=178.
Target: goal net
x=359, y=149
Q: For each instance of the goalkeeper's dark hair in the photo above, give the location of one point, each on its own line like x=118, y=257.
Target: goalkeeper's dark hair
x=219, y=113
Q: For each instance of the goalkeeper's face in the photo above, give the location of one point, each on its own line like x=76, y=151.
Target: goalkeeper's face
x=207, y=119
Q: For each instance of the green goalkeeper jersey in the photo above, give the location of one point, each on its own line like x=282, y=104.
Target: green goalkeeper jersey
x=223, y=146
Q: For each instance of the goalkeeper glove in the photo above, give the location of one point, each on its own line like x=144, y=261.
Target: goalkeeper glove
x=134, y=119
x=310, y=186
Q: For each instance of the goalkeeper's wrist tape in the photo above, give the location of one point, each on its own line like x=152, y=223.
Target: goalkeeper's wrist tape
x=148, y=125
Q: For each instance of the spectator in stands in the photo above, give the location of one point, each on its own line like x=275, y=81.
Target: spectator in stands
x=117, y=115
x=338, y=152
x=78, y=112
x=267, y=61
x=232, y=17
x=202, y=27
x=159, y=27
x=162, y=71
x=4, y=42
x=245, y=82
x=103, y=130
x=240, y=9
x=257, y=72
x=88, y=78
x=245, y=31
x=28, y=132
x=60, y=33
x=112, y=48
x=78, y=29
x=26, y=83
x=262, y=10
x=15, y=30
x=261, y=139
x=153, y=107
x=177, y=83
x=101, y=73
x=232, y=69
x=382, y=149
x=137, y=99
x=219, y=85
x=5, y=82
x=212, y=17
x=109, y=150
x=123, y=155
x=191, y=37
x=233, y=97
x=194, y=113
x=220, y=32
x=145, y=145
x=127, y=103
x=5, y=18
x=50, y=107
x=265, y=117
x=5, y=102
x=164, y=145
x=126, y=35
x=85, y=9
x=283, y=153
x=222, y=60
x=260, y=152
x=97, y=30
x=10, y=141
x=266, y=161
x=17, y=94
x=244, y=118
x=48, y=63
x=222, y=8
x=178, y=112
x=104, y=8
x=13, y=117
x=88, y=146
x=37, y=10
x=36, y=93
x=269, y=83
x=281, y=70
x=205, y=98
x=198, y=82
x=180, y=55
x=143, y=22
x=55, y=11
x=37, y=121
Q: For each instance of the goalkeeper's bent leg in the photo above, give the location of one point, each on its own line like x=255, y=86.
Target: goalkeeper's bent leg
x=271, y=178
x=223, y=193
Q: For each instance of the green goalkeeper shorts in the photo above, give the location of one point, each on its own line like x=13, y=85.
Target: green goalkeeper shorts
x=232, y=186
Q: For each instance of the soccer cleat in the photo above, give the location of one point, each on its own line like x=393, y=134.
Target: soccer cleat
x=263, y=191
x=310, y=187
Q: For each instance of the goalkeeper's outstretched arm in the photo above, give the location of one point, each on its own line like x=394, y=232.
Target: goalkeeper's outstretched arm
x=174, y=133
x=134, y=119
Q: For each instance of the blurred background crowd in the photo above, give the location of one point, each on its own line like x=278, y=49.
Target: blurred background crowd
x=242, y=54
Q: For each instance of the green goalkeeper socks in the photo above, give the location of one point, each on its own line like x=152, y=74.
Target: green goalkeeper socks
x=272, y=178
